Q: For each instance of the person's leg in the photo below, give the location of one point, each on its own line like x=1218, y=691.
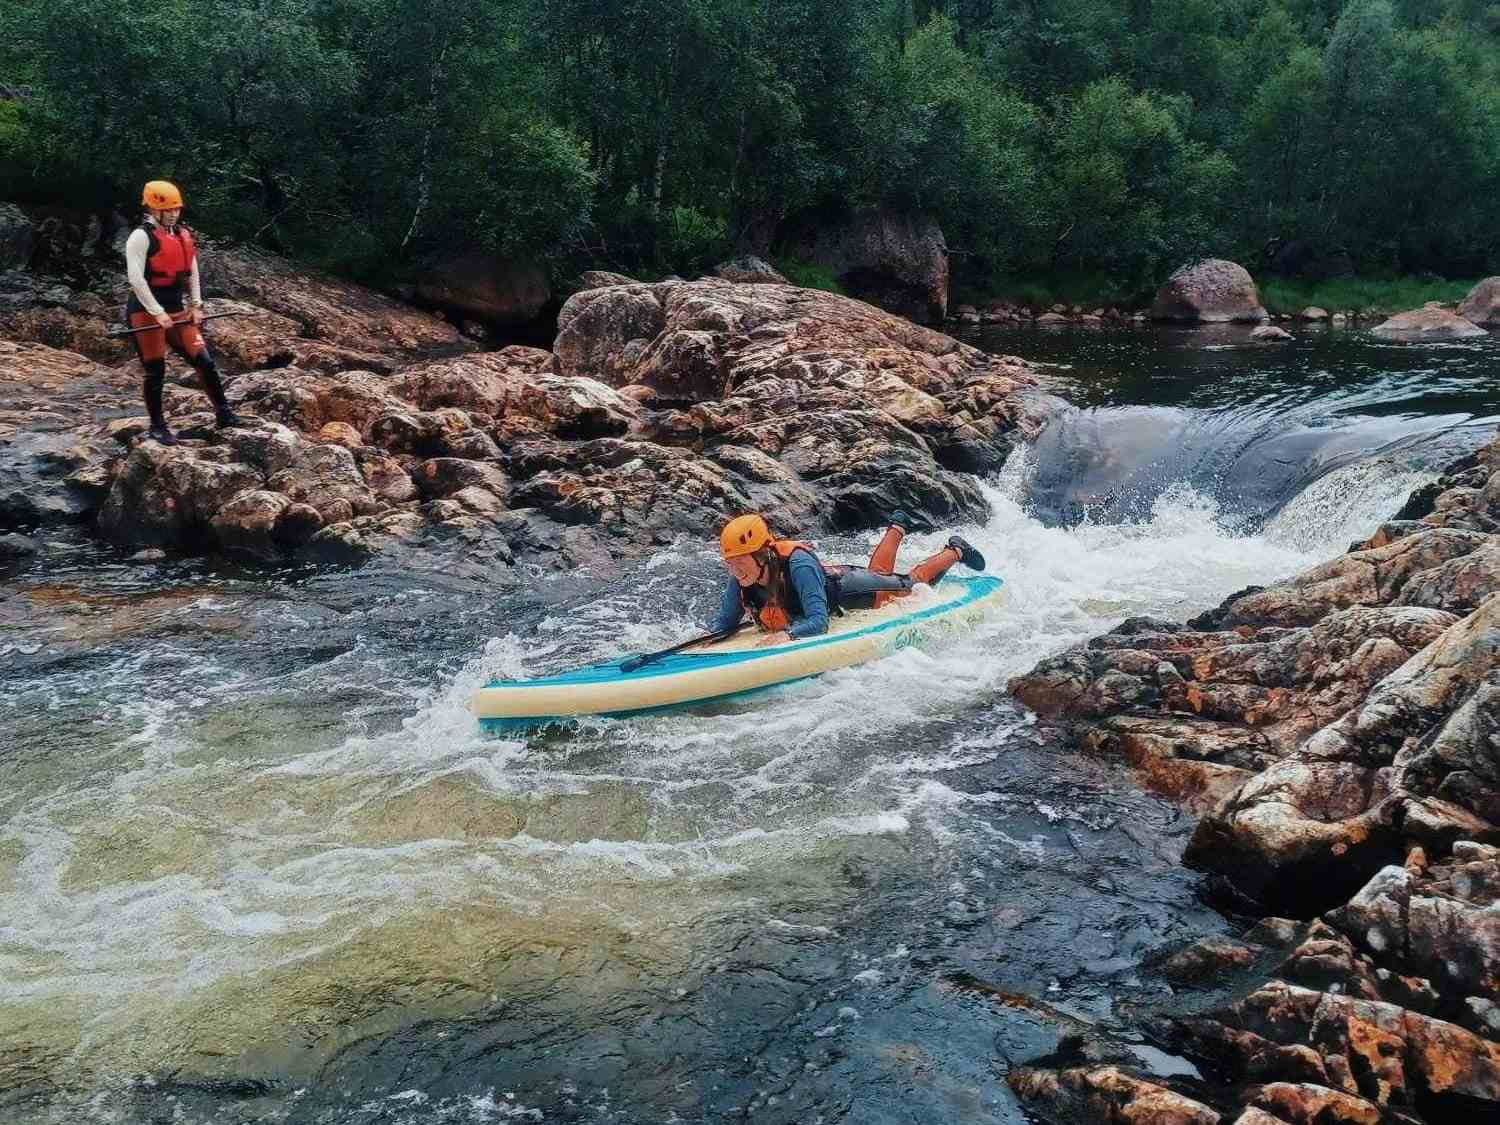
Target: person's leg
x=151, y=348
x=931, y=569
x=883, y=558
x=864, y=588
x=188, y=342
x=958, y=550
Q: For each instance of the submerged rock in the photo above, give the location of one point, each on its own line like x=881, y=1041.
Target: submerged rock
x=1269, y=332
x=1207, y=292
x=1427, y=324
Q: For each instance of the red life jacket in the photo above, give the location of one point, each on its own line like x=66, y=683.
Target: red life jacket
x=169, y=258
x=774, y=618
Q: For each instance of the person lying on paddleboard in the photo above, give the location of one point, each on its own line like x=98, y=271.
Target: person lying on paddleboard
x=790, y=592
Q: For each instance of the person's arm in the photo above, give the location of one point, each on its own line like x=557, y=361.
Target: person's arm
x=731, y=608
x=807, y=576
x=195, y=287
x=136, y=248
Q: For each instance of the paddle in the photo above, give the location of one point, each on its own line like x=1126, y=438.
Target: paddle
x=641, y=661
x=148, y=327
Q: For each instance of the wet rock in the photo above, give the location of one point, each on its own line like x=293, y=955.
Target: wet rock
x=894, y=261
x=818, y=409
x=443, y=475
x=1440, y=925
x=354, y=541
x=1312, y=312
x=324, y=476
x=1107, y=1095
x=385, y=476
x=500, y=293
x=45, y=394
x=1306, y=1103
x=1209, y=291
x=1393, y=1054
x=166, y=496
x=749, y=270
x=1427, y=324
x=1270, y=333
x=1207, y=959
x=1482, y=305
x=247, y=523
x=1459, y=584
x=14, y=546
x=1374, y=576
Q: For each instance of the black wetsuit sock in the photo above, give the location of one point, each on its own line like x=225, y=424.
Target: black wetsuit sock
x=155, y=377
x=208, y=371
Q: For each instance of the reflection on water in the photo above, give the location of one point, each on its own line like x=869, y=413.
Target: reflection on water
x=256, y=863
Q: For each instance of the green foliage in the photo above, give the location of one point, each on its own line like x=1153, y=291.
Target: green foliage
x=809, y=275
x=1393, y=295
x=1081, y=147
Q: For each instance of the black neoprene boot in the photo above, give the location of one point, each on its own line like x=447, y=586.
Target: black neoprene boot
x=966, y=553
x=208, y=371
x=158, y=430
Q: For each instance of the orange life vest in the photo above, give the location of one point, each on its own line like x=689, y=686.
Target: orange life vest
x=169, y=260
x=775, y=618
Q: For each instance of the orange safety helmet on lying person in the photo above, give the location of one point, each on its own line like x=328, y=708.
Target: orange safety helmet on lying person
x=744, y=535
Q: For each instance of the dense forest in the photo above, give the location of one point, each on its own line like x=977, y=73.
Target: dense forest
x=1050, y=138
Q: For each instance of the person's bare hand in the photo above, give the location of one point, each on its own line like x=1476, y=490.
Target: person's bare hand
x=197, y=315
x=774, y=639
x=165, y=320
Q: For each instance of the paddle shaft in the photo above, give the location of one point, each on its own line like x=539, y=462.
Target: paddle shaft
x=636, y=662
x=158, y=328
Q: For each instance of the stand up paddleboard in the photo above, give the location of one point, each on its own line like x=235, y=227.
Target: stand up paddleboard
x=736, y=666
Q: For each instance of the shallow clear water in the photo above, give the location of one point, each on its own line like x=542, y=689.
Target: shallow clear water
x=256, y=864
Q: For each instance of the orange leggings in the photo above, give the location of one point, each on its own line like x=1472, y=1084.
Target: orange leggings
x=929, y=570
x=151, y=346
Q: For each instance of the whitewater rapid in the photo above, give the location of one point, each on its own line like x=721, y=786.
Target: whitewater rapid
x=262, y=850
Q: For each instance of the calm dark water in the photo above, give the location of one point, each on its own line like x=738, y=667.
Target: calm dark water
x=257, y=865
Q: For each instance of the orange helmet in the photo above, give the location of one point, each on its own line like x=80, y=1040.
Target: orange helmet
x=159, y=195
x=744, y=535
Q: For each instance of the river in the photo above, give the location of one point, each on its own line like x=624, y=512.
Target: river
x=257, y=865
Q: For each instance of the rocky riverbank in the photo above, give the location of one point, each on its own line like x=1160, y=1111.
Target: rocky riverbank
x=1338, y=732
x=375, y=427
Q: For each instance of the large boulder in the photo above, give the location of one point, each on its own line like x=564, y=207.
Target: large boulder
x=499, y=292
x=896, y=261
x=1209, y=292
x=17, y=238
x=1482, y=305
x=1427, y=324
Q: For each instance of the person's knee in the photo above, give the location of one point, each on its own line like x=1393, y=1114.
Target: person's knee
x=156, y=369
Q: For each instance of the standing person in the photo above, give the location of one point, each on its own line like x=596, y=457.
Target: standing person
x=161, y=263
x=790, y=591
